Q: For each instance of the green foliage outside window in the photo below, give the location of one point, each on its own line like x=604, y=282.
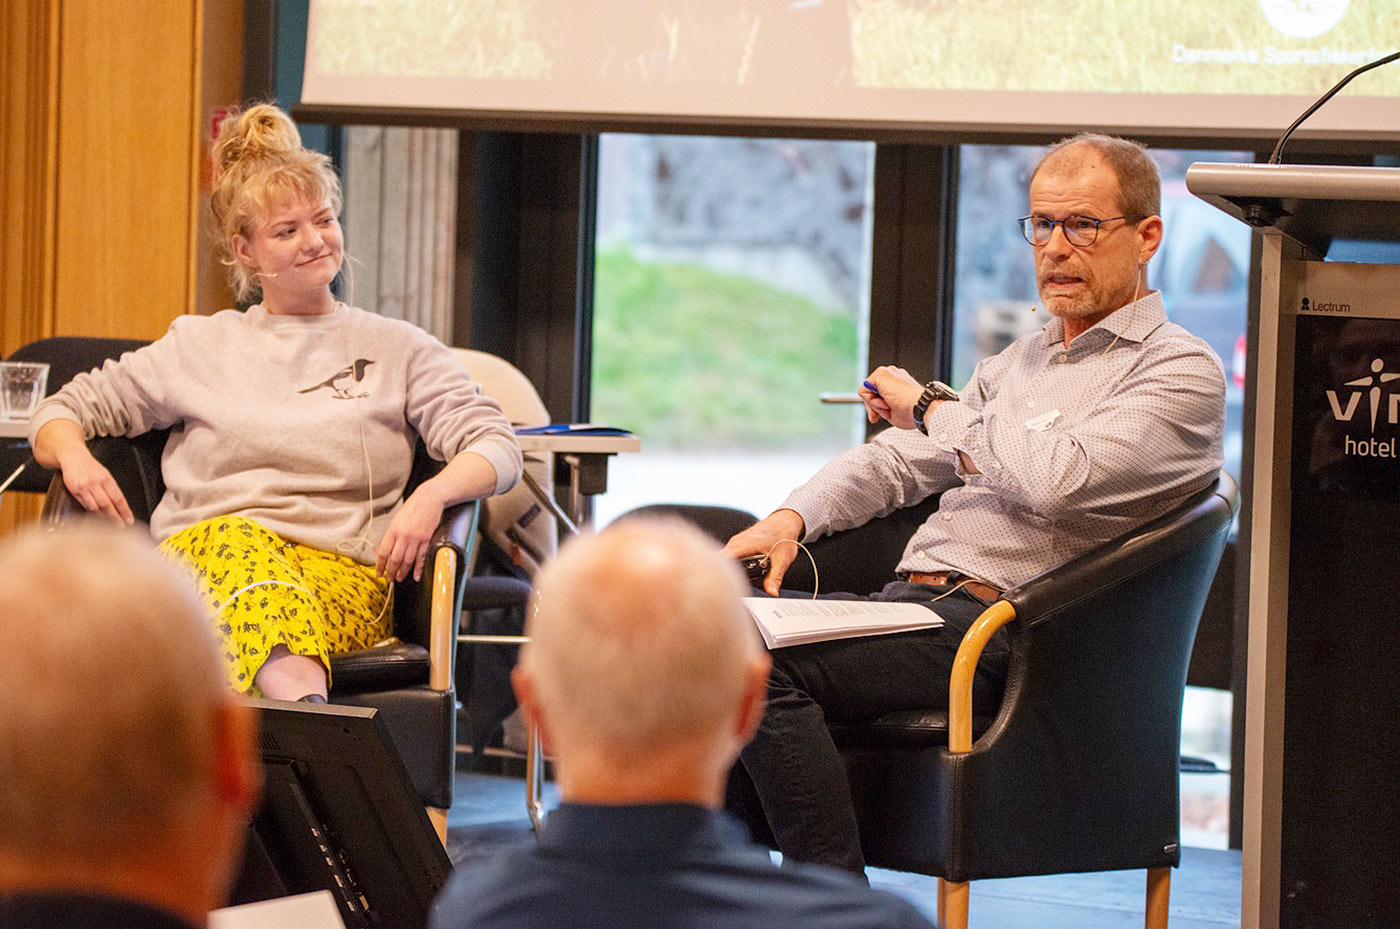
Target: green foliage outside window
x=689, y=358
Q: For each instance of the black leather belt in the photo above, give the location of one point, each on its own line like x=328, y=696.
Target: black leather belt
x=942, y=579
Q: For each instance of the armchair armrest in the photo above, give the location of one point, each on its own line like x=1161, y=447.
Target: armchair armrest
x=450, y=547
x=59, y=504
x=457, y=525
x=1087, y=736
x=135, y=466
x=964, y=666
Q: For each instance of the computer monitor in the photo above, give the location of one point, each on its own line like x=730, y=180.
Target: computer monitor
x=339, y=813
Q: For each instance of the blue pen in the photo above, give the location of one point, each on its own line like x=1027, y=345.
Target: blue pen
x=871, y=387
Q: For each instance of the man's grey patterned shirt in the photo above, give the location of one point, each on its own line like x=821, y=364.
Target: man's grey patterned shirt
x=1074, y=447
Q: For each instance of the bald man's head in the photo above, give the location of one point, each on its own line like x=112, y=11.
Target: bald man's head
x=110, y=684
x=639, y=640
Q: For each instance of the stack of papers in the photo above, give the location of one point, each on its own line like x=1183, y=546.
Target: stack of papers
x=794, y=622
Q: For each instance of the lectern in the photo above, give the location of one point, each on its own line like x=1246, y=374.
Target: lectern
x=1322, y=717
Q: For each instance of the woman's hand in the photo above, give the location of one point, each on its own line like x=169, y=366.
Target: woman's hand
x=468, y=476
x=93, y=486
x=60, y=445
x=770, y=536
x=405, y=543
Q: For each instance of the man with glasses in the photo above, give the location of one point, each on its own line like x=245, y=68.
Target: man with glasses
x=1107, y=417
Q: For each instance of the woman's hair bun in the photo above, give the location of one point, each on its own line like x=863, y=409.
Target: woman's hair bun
x=261, y=131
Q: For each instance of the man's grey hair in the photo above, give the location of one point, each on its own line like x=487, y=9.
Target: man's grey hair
x=110, y=683
x=638, y=637
x=1139, y=181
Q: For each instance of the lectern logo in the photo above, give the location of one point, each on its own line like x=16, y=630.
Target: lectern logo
x=1370, y=387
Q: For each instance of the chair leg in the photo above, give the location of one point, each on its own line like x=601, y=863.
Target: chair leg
x=438, y=817
x=1159, y=888
x=952, y=904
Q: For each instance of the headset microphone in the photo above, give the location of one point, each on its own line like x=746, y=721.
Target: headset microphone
x=260, y=274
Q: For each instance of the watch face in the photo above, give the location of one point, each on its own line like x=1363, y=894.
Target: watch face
x=942, y=391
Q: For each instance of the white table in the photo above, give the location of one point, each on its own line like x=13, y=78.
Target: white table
x=14, y=428
x=586, y=459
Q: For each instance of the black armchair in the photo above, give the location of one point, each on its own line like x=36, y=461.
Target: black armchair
x=1078, y=770
x=410, y=683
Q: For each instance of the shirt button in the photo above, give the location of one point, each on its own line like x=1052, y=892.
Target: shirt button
x=921, y=554
x=1030, y=404
x=1064, y=358
x=947, y=516
x=942, y=436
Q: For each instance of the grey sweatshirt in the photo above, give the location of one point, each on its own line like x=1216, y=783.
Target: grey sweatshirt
x=291, y=420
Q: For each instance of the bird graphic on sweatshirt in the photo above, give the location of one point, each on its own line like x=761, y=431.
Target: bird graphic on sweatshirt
x=341, y=381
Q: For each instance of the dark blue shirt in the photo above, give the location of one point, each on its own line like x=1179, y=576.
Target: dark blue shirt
x=82, y=911
x=671, y=865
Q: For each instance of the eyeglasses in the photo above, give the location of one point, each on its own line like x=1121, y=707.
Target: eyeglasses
x=1078, y=230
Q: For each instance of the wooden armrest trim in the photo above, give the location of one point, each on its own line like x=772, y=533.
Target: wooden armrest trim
x=964, y=666
x=442, y=631
x=59, y=504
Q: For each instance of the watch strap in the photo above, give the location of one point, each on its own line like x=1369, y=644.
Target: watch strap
x=933, y=390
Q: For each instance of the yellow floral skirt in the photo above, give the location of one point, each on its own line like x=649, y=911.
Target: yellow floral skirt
x=263, y=591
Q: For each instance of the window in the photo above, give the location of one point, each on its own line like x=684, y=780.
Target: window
x=731, y=290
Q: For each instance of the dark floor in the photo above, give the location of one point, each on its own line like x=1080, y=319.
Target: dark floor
x=488, y=811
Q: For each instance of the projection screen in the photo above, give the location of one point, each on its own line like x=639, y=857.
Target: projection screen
x=1229, y=69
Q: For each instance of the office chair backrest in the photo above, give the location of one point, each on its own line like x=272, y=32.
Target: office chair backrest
x=68, y=356
x=522, y=532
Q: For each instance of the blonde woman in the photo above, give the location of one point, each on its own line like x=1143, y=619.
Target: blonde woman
x=292, y=425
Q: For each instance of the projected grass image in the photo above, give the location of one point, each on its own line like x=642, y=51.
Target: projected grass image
x=661, y=41
x=436, y=38
x=672, y=338
x=1225, y=46
x=672, y=41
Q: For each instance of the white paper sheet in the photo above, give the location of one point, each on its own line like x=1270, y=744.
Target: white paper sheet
x=785, y=622
x=303, y=911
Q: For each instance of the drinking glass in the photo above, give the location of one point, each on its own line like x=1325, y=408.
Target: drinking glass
x=22, y=385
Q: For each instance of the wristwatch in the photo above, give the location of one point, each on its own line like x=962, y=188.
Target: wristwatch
x=933, y=390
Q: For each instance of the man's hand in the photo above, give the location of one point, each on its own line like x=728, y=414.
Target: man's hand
x=405, y=543
x=780, y=529
x=893, y=399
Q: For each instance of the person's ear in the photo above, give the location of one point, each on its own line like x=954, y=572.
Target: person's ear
x=524, y=687
x=1150, y=238
x=755, y=699
x=238, y=773
x=243, y=252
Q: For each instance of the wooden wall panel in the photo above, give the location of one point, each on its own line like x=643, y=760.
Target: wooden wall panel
x=102, y=113
x=127, y=147
x=220, y=85
x=28, y=183
x=28, y=126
